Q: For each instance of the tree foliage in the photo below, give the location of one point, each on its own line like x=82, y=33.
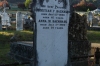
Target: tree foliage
x=21, y=5
x=83, y=6
x=4, y=2
x=27, y=2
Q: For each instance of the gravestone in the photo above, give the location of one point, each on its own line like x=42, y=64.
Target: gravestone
x=95, y=21
x=19, y=21
x=27, y=21
x=90, y=17
x=0, y=24
x=24, y=17
x=51, y=46
x=79, y=46
x=5, y=19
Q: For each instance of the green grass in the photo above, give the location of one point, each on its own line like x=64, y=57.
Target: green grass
x=4, y=57
x=93, y=36
x=25, y=35
x=5, y=46
x=4, y=54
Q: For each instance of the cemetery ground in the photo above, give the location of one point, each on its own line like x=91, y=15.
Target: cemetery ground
x=14, y=11
x=93, y=36
x=5, y=36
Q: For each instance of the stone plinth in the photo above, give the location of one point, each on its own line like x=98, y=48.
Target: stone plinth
x=21, y=51
x=79, y=52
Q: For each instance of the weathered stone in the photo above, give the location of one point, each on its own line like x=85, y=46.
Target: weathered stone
x=21, y=52
x=79, y=46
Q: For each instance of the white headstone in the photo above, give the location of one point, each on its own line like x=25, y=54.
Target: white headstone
x=5, y=19
x=25, y=17
x=90, y=16
x=0, y=24
x=52, y=33
x=19, y=21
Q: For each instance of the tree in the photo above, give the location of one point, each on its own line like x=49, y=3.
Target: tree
x=21, y=5
x=27, y=2
x=83, y=6
x=4, y=2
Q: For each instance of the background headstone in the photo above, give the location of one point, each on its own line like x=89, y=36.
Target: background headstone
x=95, y=21
x=19, y=21
x=5, y=19
x=90, y=17
x=0, y=24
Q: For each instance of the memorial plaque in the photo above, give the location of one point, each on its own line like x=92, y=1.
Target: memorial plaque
x=19, y=21
x=52, y=19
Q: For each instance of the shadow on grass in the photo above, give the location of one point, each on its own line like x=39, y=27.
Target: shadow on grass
x=5, y=43
x=4, y=56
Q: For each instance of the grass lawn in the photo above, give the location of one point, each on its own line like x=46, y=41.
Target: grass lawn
x=24, y=35
x=5, y=46
x=93, y=36
x=4, y=57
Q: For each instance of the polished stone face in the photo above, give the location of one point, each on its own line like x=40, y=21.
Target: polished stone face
x=52, y=33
